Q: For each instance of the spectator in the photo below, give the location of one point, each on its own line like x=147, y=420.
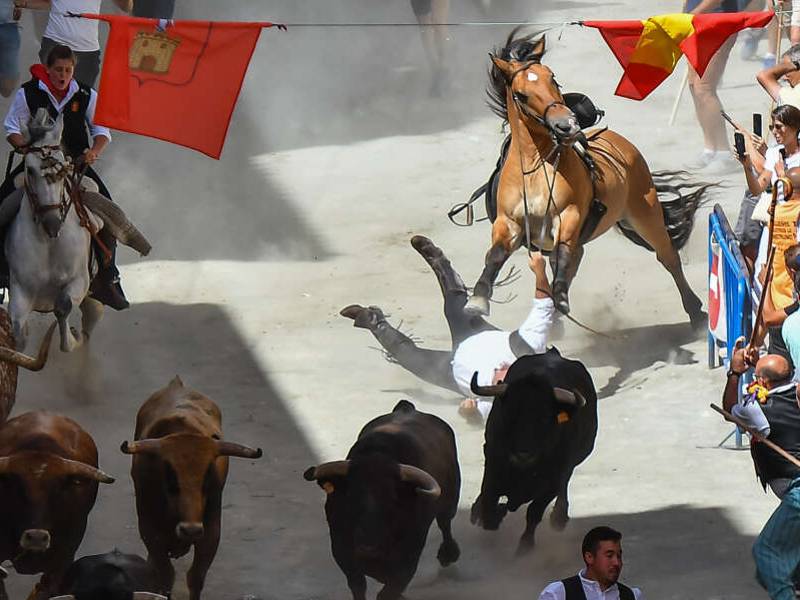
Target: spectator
x=788, y=70
x=716, y=156
x=775, y=415
x=80, y=35
x=154, y=9
x=430, y=14
x=602, y=555
x=9, y=47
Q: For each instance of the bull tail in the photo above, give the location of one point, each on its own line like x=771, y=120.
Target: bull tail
x=685, y=196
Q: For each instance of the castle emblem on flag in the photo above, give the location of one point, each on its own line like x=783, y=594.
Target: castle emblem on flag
x=152, y=52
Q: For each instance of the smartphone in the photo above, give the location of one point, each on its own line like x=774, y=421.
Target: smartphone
x=728, y=119
x=738, y=140
x=757, y=124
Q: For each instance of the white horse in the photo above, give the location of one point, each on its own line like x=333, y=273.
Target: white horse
x=47, y=248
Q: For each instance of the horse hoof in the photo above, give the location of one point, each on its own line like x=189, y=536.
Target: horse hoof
x=477, y=305
x=699, y=320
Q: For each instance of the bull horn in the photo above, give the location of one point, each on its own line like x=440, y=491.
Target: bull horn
x=328, y=470
x=28, y=362
x=426, y=484
x=151, y=446
x=486, y=390
x=231, y=449
x=116, y=221
x=67, y=597
x=573, y=398
x=87, y=471
x=148, y=596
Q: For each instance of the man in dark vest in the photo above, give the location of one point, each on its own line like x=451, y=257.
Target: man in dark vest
x=53, y=88
x=599, y=580
x=772, y=410
x=477, y=346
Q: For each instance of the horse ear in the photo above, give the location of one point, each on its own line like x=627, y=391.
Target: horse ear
x=503, y=65
x=539, y=48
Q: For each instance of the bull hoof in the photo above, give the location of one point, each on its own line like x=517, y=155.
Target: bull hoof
x=477, y=305
x=448, y=553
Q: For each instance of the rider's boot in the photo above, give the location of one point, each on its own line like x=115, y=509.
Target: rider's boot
x=106, y=286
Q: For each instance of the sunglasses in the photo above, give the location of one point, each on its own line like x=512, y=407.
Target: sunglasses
x=777, y=126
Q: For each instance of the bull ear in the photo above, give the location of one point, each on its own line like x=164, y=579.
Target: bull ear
x=571, y=397
x=148, y=596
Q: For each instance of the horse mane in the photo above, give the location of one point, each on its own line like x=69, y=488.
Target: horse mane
x=517, y=49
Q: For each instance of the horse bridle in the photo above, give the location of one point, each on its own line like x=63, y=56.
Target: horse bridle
x=523, y=108
x=46, y=152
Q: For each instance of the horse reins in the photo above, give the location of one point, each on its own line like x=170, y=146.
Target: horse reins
x=557, y=149
x=71, y=196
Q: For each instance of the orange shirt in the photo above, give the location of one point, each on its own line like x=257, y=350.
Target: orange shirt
x=784, y=235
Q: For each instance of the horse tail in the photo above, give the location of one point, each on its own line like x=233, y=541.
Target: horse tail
x=679, y=209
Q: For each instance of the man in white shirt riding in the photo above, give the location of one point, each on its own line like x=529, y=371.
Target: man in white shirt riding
x=599, y=579
x=477, y=346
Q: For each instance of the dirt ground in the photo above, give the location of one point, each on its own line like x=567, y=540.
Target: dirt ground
x=336, y=156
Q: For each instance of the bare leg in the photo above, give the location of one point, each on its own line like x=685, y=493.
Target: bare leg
x=707, y=104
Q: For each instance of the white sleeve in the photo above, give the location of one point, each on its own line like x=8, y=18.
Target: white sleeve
x=484, y=407
x=753, y=415
x=771, y=158
x=637, y=594
x=18, y=114
x=95, y=129
x=554, y=591
x=536, y=327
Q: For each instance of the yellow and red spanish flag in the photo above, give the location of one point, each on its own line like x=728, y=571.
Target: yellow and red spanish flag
x=649, y=50
x=177, y=81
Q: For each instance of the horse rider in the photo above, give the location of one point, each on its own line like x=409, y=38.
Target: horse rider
x=477, y=346
x=53, y=87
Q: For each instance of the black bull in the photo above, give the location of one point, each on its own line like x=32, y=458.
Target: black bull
x=401, y=473
x=110, y=576
x=543, y=423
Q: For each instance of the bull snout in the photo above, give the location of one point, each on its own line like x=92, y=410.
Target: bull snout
x=190, y=532
x=51, y=223
x=35, y=540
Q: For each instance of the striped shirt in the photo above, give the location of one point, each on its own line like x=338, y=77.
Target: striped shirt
x=777, y=549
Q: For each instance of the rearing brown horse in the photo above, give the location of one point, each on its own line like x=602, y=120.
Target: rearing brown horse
x=542, y=167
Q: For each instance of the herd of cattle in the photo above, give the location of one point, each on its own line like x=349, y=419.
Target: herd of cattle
x=401, y=473
x=49, y=479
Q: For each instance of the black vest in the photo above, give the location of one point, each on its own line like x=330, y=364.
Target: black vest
x=75, y=137
x=783, y=416
x=574, y=589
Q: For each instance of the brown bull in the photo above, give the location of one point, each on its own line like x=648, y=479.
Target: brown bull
x=180, y=464
x=48, y=485
x=10, y=360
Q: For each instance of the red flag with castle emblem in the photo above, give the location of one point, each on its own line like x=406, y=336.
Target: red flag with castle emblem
x=177, y=81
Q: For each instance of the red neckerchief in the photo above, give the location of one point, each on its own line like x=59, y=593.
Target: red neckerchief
x=40, y=72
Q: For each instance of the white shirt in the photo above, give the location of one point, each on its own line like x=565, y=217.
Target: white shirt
x=555, y=591
x=19, y=114
x=773, y=155
x=79, y=34
x=484, y=352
